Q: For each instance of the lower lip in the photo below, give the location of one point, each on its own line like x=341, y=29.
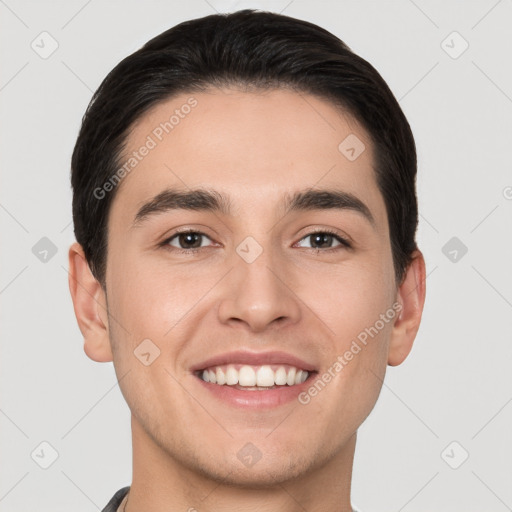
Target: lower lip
x=255, y=399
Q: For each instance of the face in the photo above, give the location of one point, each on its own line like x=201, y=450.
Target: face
x=282, y=264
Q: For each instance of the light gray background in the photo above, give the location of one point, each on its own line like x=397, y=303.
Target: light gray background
x=456, y=384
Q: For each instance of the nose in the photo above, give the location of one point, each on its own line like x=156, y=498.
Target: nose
x=258, y=296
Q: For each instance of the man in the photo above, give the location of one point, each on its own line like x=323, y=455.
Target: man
x=245, y=215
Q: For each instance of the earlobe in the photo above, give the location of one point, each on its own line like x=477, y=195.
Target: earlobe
x=411, y=296
x=89, y=304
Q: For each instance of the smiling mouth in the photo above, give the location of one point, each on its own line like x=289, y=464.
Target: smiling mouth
x=254, y=378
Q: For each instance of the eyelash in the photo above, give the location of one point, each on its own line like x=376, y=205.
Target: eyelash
x=345, y=244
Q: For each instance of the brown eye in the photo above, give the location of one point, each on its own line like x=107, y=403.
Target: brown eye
x=187, y=240
x=323, y=240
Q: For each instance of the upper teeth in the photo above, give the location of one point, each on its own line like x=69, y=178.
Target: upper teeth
x=245, y=375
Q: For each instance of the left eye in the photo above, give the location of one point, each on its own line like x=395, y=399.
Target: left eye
x=322, y=240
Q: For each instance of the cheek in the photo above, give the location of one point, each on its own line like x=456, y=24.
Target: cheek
x=356, y=304
x=146, y=304
x=351, y=300
x=150, y=298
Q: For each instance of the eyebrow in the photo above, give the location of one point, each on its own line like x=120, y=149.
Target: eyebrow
x=205, y=199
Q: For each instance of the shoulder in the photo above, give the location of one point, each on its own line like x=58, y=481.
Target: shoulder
x=116, y=500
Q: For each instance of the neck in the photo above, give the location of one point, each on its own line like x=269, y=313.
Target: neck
x=161, y=483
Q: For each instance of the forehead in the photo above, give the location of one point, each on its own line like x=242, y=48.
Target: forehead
x=252, y=146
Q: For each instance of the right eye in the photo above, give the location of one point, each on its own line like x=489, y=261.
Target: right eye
x=186, y=240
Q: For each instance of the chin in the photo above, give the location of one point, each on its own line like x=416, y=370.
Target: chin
x=261, y=475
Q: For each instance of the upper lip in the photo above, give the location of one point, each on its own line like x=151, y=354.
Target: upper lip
x=254, y=359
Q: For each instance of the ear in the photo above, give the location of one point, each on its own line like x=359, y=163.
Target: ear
x=411, y=296
x=90, y=305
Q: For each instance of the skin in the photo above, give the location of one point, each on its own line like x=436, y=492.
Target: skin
x=255, y=147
